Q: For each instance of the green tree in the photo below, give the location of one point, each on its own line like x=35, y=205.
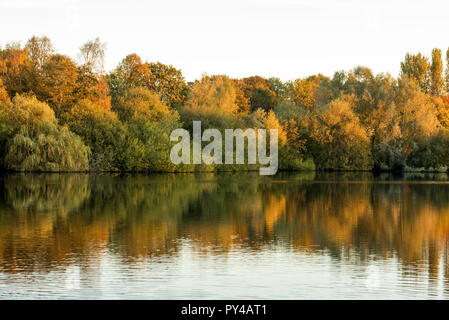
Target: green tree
x=101, y=130
x=35, y=141
x=52, y=149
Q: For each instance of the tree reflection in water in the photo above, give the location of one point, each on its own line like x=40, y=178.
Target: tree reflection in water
x=51, y=221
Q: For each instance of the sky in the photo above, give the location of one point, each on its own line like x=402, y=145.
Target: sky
x=287, y=39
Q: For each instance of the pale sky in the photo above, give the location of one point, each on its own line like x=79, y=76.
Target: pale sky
x=283, y=38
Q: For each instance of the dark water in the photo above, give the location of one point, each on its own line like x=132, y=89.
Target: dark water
x=292, y=236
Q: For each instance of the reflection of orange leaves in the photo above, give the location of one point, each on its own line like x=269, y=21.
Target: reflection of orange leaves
x=274, y=209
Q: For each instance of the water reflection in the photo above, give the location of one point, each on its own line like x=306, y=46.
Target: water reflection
x=318, y=234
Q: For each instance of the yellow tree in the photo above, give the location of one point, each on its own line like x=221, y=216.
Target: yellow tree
x=337, y=139
x=211, y=100
x=416, y=114
x=303, y=90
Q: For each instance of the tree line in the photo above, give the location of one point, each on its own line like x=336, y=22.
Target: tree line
x=61, y=114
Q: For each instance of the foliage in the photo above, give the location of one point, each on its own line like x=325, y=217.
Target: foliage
x=337, y=139
x=303, y=91
x=4, y=97
x=53, y=149
x=100, y=130
x=33, y=140
x=91, y=55
x=417, y=68
x=58, y=82
x=55, y=114
x=168, y=82
x=258, y=92
x=15, y=68
x=141, y=103
x=213, y=101
x=436, y=74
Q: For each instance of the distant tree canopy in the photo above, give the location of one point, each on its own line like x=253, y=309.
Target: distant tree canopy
x=162, y=79
x=58, y=114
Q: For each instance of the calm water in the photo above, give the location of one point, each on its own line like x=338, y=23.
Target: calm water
x=231, y=236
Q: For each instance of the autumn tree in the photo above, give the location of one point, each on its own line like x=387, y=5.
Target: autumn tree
x=135, y=72
x=436, y=74
x=336, y=138
x=330, y=89
x=40, y=49
x=3, y=93
x=303, y=90
x=447, y=72
x=211, y=100
x=417, y=115
x=91, y=55
x=92, y=86
x=280, y=88
x=442, y=107
x=241, y=100
x=58, y=83
x=417, y=67
x=15, y=66
x=168, y=82
x=258, y=92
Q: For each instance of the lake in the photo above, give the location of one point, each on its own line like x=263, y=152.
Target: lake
x=224, y=236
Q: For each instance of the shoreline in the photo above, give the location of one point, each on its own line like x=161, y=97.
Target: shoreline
x=375, y=172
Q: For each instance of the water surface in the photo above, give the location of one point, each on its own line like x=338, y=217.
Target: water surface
x=226, y=236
